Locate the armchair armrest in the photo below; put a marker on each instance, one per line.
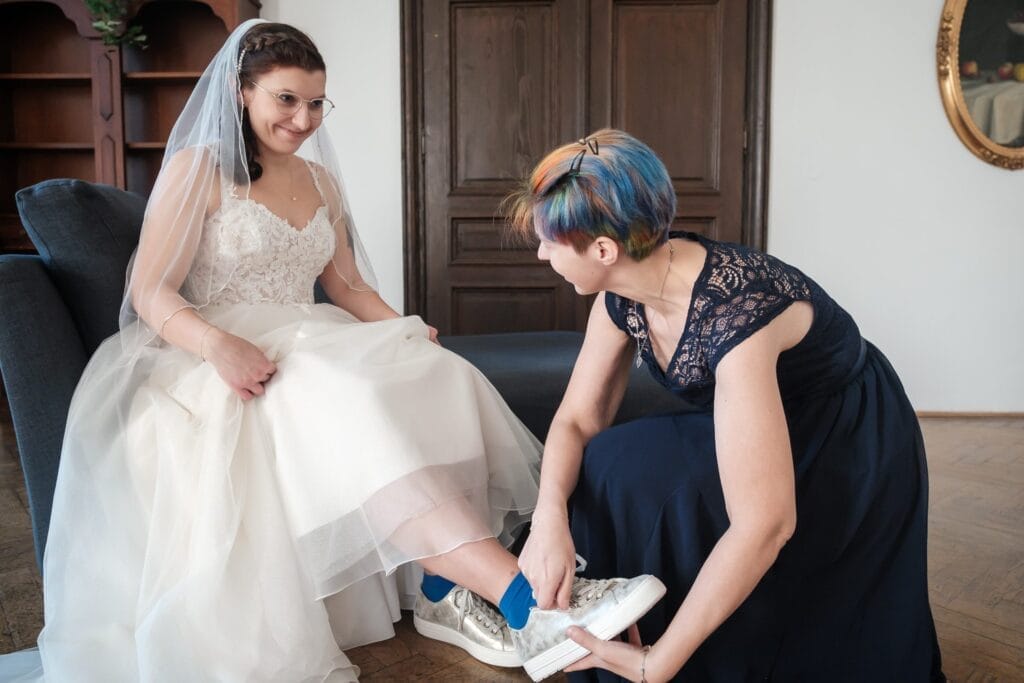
(41, 359)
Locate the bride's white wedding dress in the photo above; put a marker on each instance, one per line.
(194, 536)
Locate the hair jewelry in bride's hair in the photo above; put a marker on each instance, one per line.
(210, 160)
(264, 48)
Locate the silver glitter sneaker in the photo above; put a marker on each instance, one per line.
(465, 620)
(605, 607)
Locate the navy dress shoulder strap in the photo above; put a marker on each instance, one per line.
(746, 290)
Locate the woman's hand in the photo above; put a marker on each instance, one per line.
(628, 660)
(432, 334)
(241, 364)
(548, 560)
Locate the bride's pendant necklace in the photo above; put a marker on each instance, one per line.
(291, 183)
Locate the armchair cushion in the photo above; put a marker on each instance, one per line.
(85, 233)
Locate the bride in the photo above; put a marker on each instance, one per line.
(238, 453)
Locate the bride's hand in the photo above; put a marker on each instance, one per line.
(432, 334)
(548, 560)
(240, 363)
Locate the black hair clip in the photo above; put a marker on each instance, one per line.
(577, 161)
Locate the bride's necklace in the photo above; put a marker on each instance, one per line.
(291, 183)
(271, 186)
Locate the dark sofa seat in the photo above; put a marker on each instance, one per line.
(56, 308)
(531, 372)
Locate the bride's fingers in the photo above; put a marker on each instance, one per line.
(634, 636)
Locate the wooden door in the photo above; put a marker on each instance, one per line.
(673, 75)
(501, 84)
(491, 86)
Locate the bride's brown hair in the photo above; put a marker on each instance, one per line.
(264, 48)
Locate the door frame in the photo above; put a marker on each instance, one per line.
(755, 161)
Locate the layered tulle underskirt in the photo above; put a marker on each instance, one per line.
(195, 536)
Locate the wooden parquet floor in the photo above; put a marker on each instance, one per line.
(976, 563)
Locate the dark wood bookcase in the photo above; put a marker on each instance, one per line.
(72, 107)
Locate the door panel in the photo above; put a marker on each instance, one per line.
(673, 75)
(500, 83)
(492, 86)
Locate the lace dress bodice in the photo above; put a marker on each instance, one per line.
(248, 254)
(738, 292)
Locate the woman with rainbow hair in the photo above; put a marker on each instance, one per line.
(787, 515)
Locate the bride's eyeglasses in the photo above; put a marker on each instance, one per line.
(289, 103)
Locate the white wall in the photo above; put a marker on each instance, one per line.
(871, 193)
(360, 42)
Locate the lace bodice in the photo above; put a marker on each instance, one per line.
(248, 254)
(738, 292)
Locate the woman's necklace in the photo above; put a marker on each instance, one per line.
(638, 331)
(668, 269)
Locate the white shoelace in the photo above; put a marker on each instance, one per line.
(585, 591)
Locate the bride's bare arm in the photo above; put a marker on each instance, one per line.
(184, 195)
(170, 235)
(341, 278)
(357, 298)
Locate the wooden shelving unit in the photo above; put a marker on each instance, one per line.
(190, 76)
(70, 76)
(45, 105)
(71, 107)
(182, 37)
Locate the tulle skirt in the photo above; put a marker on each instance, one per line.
(195, 536)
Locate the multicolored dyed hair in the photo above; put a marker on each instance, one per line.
(608, 184)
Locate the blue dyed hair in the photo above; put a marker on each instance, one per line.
(608, 184)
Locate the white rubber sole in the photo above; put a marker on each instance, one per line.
(433, 631)
(639, 602)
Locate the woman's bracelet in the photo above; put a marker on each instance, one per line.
(171, 315)
(643, 664)
(202, 341)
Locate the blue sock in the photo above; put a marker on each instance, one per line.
(435, 587)
(516, 602)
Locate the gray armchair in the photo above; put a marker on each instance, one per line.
(56, 308)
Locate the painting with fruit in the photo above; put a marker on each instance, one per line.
(991, 67)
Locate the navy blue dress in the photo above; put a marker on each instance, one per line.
(847, 598)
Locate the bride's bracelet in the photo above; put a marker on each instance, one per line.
(202, 341)
(171, 315)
